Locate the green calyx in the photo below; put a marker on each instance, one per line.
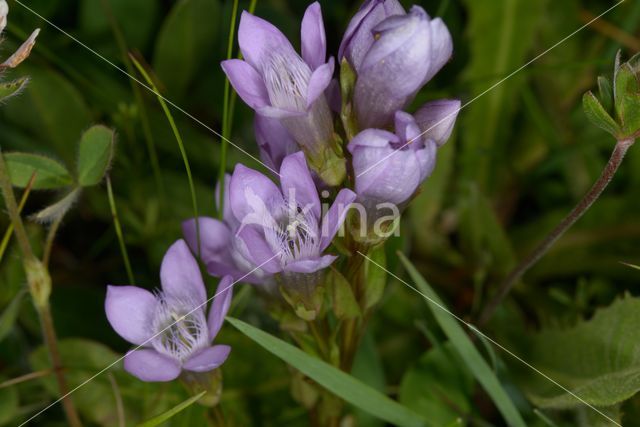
(616, 109)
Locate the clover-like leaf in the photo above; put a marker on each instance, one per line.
(597, 114)
(50, 174)
(94, 155)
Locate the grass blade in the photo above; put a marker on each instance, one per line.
(474, 361)
(338, 382)
(116, 224)
(178, 137)
(165, 416)
(23, 201)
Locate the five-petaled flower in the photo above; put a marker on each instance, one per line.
(170, 328)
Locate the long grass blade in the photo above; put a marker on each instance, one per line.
(116, 224)
(162, 418)
(178, 137)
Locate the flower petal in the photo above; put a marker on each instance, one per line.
(207, 359)
(180, 274)
(149, 365)
(274, 140)
(314, 40)
(307, 266)
(259, 251)
(247, 186)
(215, 240)
(247, 82)
(297, 183)
(130, 311)
(319, 82)
(220, 306)
(437, 118)
(258, 39)
(334, 218)
(441, 47)
(407, 129)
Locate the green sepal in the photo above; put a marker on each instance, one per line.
(9, 89)
(605, 90)
(345, 305)
(348, 79)
(598, 116)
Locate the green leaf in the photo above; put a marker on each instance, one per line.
(9, 408)
(188, 35)
(94, 155)
(9, 89)
(605, 371)
(375, 277)
(626, 95)
(10, 314)
(437, 384)
(50, 173)
(156, 421)
(501, 33)
(334, 380)
(344, 302)
(461, 342)
(605, 90)
(597, 115)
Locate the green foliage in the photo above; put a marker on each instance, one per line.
(9, 89)
(166, 416)
(345, 305)
(598, 360)
(188, 35)
(94, 155)
(9, 406)
(10, 314)
(467, 352)
(334, 380)
(50, 174)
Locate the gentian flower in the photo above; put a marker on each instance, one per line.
(4, 11)
(406, 52)
(274, 140)
(283, 228)
(277, 82)
(389, 167)
(170, 327)
(221, 250)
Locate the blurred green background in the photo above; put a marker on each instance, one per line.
(522, 156)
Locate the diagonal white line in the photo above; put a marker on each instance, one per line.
(455, 113)
(500, 346)
(204, 304)
(168, 101)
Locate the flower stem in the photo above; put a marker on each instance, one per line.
(589, 199)
(39, 287)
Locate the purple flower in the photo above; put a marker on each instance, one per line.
(4, 11)
(277, 82)
(283, 228)
(221, 250)
(390, 167)
(274, 141)
(170, 326)
(437, 118)
(406, 52)
(359, 36)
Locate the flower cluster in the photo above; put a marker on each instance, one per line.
(347, 140)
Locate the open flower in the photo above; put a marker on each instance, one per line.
(282, 228)
(170, 327)
(277, 82)
(410, 45)
(221, 250)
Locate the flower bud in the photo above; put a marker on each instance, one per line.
(617, 108)
(436, 119)
(412, 46)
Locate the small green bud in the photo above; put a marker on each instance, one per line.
(39, 281)
(617, 110)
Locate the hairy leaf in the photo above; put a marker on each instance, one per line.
(94, 155)
(50, 173)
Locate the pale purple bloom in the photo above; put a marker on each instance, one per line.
(4, 11)
(170, 326)
(277, 82)
(221, 250)
(390, 167)
(406, 52)
(283, 229)
(437, 118)
(274, 140)
(359, 36)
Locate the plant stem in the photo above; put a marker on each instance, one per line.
(226, 113)
(589, 199)
(42, 304)
(48, 246)
(27, 377)
(116, 224)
